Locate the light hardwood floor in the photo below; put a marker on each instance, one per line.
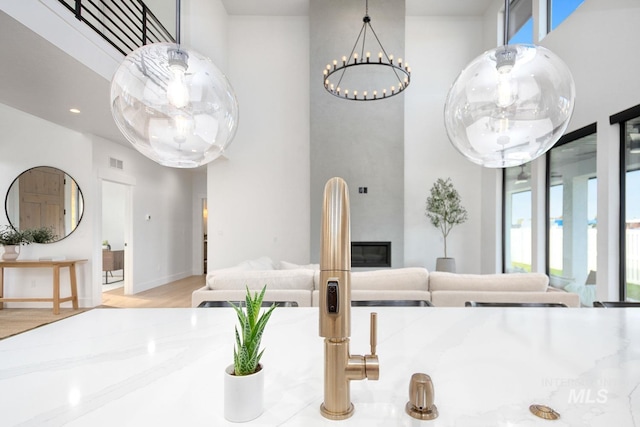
(172, 295)
(175, 294)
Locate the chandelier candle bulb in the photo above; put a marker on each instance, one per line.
(375, 94)
(368, 56)
(399, 62)
(380, 57)
(344, 60)
(390, 59)
(393, 89)
(335, 64)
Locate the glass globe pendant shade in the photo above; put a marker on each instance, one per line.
(174, 105)
(509, 105)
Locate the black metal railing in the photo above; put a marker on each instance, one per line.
(125, 24)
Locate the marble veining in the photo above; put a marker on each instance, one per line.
(133, 367)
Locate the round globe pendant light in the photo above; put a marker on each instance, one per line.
(510, 104)
(173, 104)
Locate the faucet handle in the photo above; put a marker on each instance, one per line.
(374, 332)
(371, 362)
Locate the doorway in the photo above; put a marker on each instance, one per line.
(115, 228)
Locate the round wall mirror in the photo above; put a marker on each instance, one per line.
(45, 197)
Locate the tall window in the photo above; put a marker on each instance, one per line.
(631, 237)
(572, 223)
(520, 22)
(517, 219)
(559, 10)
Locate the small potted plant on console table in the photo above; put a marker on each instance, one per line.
(244, 379)
(11, 239)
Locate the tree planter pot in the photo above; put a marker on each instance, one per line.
(11, 252)
(446, 264)
(243, 395)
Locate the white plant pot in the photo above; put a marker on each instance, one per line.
(243, 395)
(446, 264)
(11, 252)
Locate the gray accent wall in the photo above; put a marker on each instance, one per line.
(362, 142)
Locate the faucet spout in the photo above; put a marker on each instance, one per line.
(340, 368)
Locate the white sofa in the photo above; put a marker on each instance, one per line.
(301, 284)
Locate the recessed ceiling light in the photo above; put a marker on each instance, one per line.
(74, 110)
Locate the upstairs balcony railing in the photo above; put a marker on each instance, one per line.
(125, 24)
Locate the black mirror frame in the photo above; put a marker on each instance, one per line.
(6, 200)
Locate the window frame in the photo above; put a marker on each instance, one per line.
(620, 119)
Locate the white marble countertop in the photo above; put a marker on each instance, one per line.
(164, 367)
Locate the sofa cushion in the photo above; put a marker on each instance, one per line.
(284, 265)
(262, 263)
(458, 298)
(408, 279)
(522, 282)
(274, 279)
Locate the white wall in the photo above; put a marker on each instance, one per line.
(258, 197)
(161, 246)
(204, 29)
(437, 49)
(26, 142)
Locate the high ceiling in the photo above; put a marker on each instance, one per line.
(42, 80)
(301, 7)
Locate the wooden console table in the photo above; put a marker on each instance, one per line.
(56, 266)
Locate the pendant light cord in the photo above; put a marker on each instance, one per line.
(506, 22)
(178, 22)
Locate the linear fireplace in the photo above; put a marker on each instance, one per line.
(370, 254)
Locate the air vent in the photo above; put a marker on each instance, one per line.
(115, 163)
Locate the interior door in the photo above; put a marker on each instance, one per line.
(42, 199)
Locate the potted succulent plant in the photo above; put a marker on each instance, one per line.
(11, 239)
(244, 379)
(445, 211)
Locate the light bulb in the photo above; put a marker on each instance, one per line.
(183, 127)
(177, 90)
(506, 89)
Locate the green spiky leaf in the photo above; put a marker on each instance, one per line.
(246, 353)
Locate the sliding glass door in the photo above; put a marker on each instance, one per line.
(572, 217)
(631, 234)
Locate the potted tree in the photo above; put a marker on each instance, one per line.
(11, 239)
(244, 379)
(445, 211)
